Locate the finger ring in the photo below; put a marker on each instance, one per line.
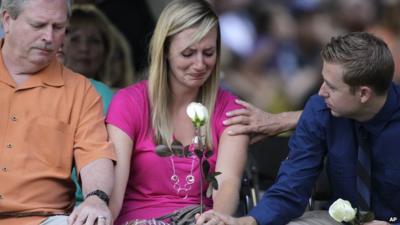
(101, 217)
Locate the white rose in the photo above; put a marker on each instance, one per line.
(341, 211)
(198, 114)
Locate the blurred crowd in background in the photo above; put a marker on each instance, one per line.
(270, 47)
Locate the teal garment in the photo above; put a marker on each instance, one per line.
(78, 191)
(106, 95)
(105, 92)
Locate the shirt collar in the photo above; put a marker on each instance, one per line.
(385, 115)
(51, 75)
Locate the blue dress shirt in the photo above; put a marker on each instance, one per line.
(319, 135)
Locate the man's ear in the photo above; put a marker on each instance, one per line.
(365, 93)
(5, 16)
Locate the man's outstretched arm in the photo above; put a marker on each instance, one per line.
(258, 123)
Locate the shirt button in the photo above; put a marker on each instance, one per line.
(13, 118)
(9, 146)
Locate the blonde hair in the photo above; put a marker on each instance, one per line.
(178, 16)
(113, 40)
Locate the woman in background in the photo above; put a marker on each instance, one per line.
(91, 45)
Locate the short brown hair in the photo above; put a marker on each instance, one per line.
(366, 59)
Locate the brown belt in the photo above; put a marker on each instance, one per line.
(67, 211)
(27, 214)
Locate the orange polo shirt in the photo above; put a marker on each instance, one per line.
(49, 122)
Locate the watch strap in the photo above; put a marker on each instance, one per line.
(100, 194)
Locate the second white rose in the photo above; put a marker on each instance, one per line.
(342, 211)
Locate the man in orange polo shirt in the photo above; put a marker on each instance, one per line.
(50, 119)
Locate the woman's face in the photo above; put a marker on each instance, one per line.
(191, 65)
(84, 50)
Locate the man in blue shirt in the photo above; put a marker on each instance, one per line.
(357, 92)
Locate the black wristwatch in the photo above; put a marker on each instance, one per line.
(100, 194)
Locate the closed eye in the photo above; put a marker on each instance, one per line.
(209, 53)
(38, 25)
(187, 53)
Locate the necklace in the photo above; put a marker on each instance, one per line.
(182, 190)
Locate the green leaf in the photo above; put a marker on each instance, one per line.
(177, 148)
(214, 174)
(176, 142)
(163, 151)
(186, 152)
(199, 153)
(214, 183)
(209, 153)
(206, 168)
(178, 151)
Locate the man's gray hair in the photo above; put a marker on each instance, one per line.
(15, 7)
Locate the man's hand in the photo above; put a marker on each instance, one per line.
(377, 222)
(214, 218)
(91, 212)
(258, 123)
